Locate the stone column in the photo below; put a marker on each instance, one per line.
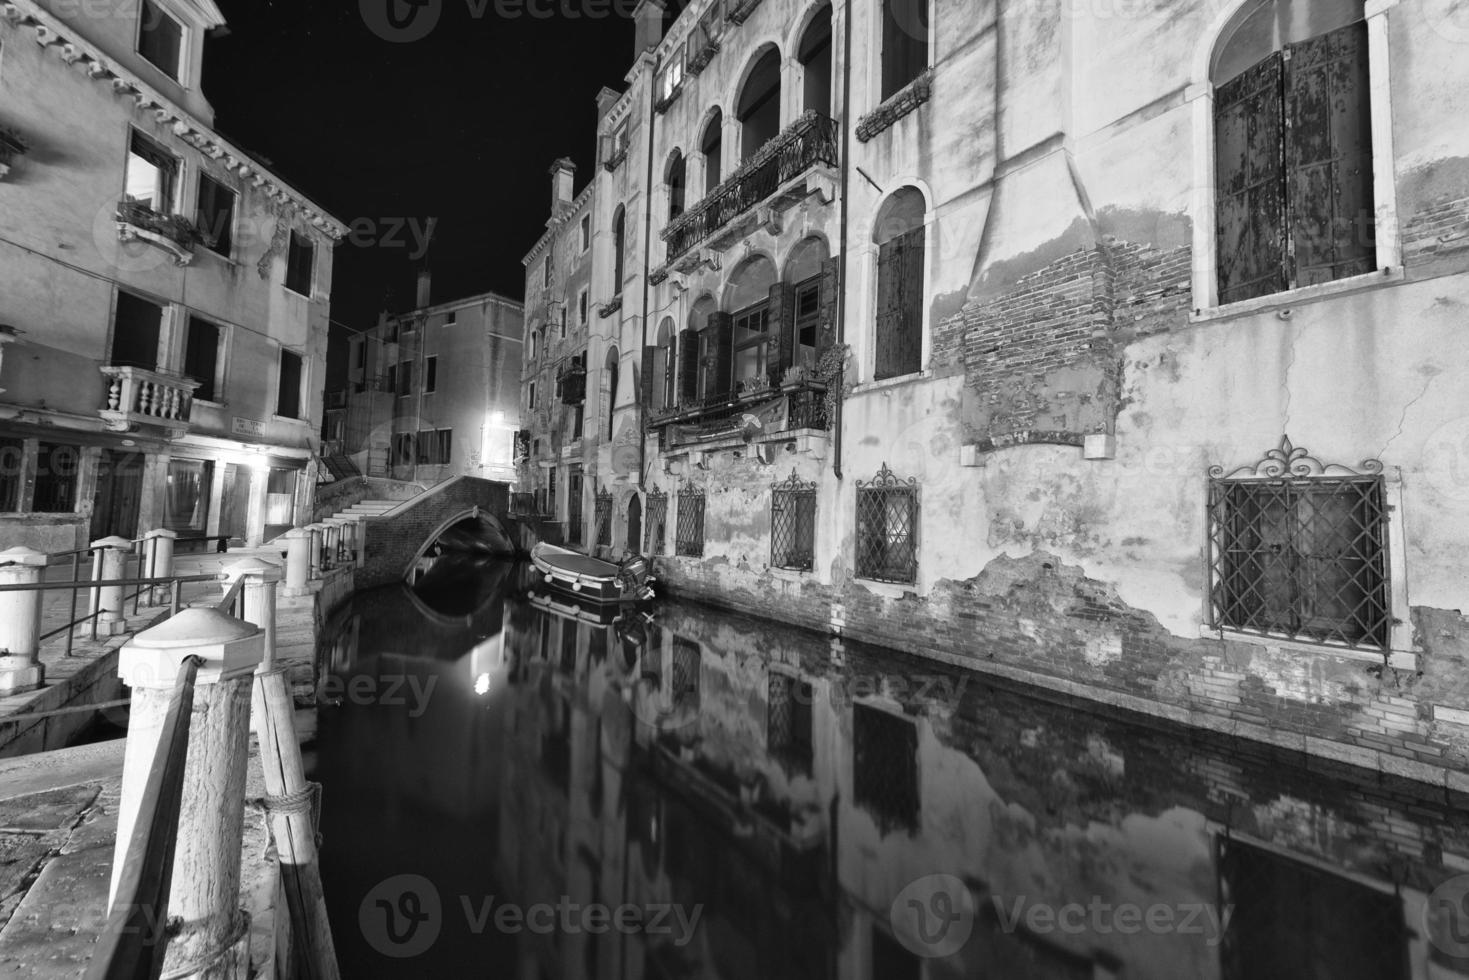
(260, 578)
(212, 941)
(114, 553)
(298, 561)
(20, 622)
(159, 549)
(317, 532)
(338, 537)
(359, 539)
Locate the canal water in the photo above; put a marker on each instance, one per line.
(513, 791)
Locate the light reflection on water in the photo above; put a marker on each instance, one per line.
(514, 792)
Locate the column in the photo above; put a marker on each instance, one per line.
(212, 941)
(20, 622)
(317, 532)
(261, 578)
(158, 548)
(114, 553)
(298, 561)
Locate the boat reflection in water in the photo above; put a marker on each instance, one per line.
(760, 802)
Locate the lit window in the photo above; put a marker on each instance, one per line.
(152, 175)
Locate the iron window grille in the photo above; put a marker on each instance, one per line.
(793, 524)
(603, 517)
(887, 528)
(885, 767)
(690, 537)
(1298, 549)
(657, 517)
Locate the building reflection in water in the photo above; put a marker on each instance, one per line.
(839, 812)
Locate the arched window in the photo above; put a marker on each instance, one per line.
(899, 236)
(904, 43)
(619, 240)
(674, 177)
(658, 367)
(748, 298)
(759, 105)
(711, 145)
(803, 271)
(693, 350)
(1294, 204)
(609, 388)
(815, 57)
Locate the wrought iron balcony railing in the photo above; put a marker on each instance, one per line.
(771, 411)
(809, 141)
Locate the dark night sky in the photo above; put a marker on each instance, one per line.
(461, 125)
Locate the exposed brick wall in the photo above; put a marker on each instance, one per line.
(1045, 621)
(1436, 232)
(391, 542)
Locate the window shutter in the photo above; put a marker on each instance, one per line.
(688, 368)
(670, 365)
(720, 364)
(1328, 157)
(826, 331)
(910, 340)
(889, 307)
(650, 370)
(781, 347)
(1250, 182)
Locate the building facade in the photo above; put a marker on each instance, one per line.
(1111, 350)
(166, 298)
(556, 443)
(433, 393)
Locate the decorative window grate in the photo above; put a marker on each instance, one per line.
(887, 528)
(1298, 549)
(603, 517)
(788, 722)
(690, 537)
(793, 524)
(885, 767)
(657, 521)
(684, 675)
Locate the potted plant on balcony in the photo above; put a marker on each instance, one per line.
(174, 233)
(12, 145)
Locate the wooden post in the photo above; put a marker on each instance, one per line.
(111, 619)
(212, 942)
(160, 545)
(20, 622)
(298, 561)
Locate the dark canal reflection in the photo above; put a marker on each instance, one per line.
(513, 792)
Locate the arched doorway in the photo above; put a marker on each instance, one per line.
(635, 525)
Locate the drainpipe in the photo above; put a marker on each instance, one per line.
(836, 422)
(647, 268)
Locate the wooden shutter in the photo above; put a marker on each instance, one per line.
(1328, 157)
(1250, 182)
(719, 359)
(889, 307)
(670, 363)
(826, 331)
(688, 368)
(781, 324)
(910, 337)
(650, 370)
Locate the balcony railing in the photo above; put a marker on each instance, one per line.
(809, 141)
(752, 414)
(174, 234)
(138, 397)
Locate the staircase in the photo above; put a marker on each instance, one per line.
(368, 508)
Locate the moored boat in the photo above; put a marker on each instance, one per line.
(591, 579)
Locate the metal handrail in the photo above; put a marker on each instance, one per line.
(233, 603)
(137, 931)
(76, 585)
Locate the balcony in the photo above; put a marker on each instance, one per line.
(12, 145)
(775, 167)
(174, 234)
(137, 398)
(758, 413)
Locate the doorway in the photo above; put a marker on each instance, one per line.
(234, 519)
(119, 491)
(635, 525)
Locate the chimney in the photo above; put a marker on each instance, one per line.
(563, 184)
(648, 20)
(425, 284)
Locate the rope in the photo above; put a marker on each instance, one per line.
(291, 804)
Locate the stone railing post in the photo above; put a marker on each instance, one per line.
(338, 535)
(158, 547)
(113, 566)
(298, 561)
(212, 941)
(317, 532)
(261, 578)
(359, 539)
(20, 621)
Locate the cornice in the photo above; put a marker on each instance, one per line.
(82, 55)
